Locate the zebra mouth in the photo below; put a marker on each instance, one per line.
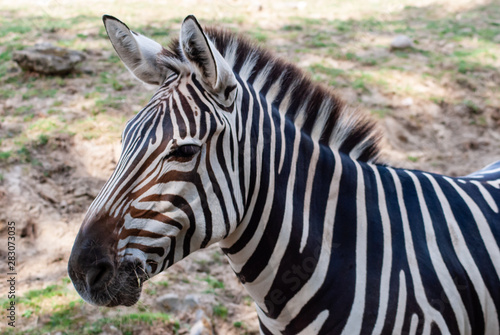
(122, 286)
(126, 287)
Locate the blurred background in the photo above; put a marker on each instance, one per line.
(429, 73)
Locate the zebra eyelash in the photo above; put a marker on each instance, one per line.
(184, 152)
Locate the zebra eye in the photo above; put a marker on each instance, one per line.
(186, 151)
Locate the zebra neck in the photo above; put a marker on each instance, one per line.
(291, 182)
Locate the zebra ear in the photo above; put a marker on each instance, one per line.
(138, 53)
(208, 61)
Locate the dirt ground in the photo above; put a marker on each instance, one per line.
(438, 106)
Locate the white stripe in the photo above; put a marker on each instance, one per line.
(315, 326)
(413, 324)
(283, 108)
(345, 124)
(324, 112)
(353, 324)
(401, 309)
(494, 183)
(301, 115)
(247, 68)
(261, 79)
(230, 54)
(308, 197)
(486, 195)
(360, 147)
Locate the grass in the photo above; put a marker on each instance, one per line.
(213, 282)
(43, 139)
(258, 35)
(163, 283)
(61, 312)
(4, 155)
(381, 113)
(220, 311)
(40, 93)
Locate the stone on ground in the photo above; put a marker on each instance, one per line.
(48, 59)
(401, 42)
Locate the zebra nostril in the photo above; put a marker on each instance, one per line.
(100, 275)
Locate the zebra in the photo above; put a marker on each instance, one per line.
(240, 148)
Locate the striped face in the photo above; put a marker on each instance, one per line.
(164, 199)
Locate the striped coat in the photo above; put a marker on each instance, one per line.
(241, 148)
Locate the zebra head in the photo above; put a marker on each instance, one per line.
(164, 199)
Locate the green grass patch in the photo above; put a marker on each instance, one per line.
(320, 39)
(109, 79)
(29, 117)
(163, 283)
(220, 311)
(381, 113)
(157, 31)
(14, 26)
(292, 27)
(63, 317)
(40, 93)
(127, 323)
(6, 93)
(24, 154)
(150, 291)
(472, 106)
(258, 34)
(45, 125)
(4, 155)
(110, 101)
(332, 75)
(459, 29)
(21, 110)
(47, 292)
(42, 139)
(213, 282)
(329, 71)
(360, 83)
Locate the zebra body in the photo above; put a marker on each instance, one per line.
(239, 148)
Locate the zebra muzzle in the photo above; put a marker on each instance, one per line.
(100, 278)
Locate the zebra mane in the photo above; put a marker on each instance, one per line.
(313, 107)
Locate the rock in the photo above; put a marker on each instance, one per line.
(49, 192)
(407, 101)
(170, 301)
(110, 330)
(48, 59)
(191, 301)
(202, 325)
(401, 42)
